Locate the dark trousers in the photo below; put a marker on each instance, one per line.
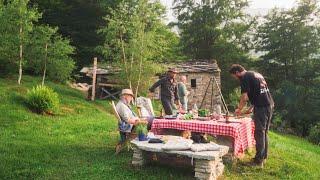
(167, 104)
(262, 119)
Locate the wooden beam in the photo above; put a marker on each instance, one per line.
(94, 76)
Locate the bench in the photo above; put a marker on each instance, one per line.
(207, 164)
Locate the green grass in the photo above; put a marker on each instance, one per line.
(78, 143)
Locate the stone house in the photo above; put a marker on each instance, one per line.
(202, 86)
(203, 83)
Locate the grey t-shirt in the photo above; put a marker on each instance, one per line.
(124, 111)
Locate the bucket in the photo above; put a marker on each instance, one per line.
(142, 137)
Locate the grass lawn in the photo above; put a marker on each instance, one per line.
(78, 143)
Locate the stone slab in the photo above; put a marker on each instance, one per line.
(157, 147)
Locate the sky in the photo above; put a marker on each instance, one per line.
(253, 5)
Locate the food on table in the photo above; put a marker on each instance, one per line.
(188, 116)
(203, 112)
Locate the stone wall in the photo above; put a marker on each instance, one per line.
(204, 91)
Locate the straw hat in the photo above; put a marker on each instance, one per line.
(127, 92)
(174, 70)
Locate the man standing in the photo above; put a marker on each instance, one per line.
(168, 91)
(254, 88)
(183, 93)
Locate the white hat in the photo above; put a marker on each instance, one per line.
(127, 91)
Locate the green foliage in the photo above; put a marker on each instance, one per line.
(203, 112)
(188, 116)
(234, 99)
(141, 129)
(295, 103)
(207, 26)
(77, 20)
(136, 38)
(314, 135)
(16, 14)
(216, 30)
(58, 62)
(42, 99)
(290, 40)
(277, 120)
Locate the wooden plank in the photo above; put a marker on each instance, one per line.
(94, 77)
(109, 94)
(109, 85)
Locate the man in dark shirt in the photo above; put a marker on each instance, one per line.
(255, 89)
(168, 90)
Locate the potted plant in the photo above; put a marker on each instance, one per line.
(142, 131)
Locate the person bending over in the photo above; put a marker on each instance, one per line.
(255, 89)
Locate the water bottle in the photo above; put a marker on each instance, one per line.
(195, 111)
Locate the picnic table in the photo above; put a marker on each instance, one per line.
(241, 130)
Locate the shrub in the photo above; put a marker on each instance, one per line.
(314, 135)
(42, 99)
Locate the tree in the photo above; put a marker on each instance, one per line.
(20, 34)
(289, 38)
(77, 20)
(205, 24)
(290, 41)
(17, 22)
(217, 29)
(49, 53)
(136, 38)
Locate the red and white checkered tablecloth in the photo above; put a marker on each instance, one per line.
(241, 130)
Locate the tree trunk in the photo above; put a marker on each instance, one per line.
(131, 67)
(140, 63)
(20, 61)
(45, 64)
(125, 60)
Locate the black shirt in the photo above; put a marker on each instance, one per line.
(257, 89)
(168, 88)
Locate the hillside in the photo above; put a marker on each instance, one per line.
(78, 143)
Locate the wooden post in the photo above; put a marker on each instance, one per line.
(45, 64)
(20, 55)
(94, 77)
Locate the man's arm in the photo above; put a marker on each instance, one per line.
(155, 85)
(243, 101)
(176, 96)
(125, 115)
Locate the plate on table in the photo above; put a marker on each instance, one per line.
(203, 118)
(170, 117)
(230, 121)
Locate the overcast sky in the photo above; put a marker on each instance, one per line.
(254, 4)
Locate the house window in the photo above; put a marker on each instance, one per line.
(193, 83)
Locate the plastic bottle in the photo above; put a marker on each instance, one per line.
(195, 111)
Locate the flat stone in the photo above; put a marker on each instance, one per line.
(219, 169)
(204, 163)
(138, 156)
(204, 176)
(203, 170)
(138, 163)
(157, 147)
